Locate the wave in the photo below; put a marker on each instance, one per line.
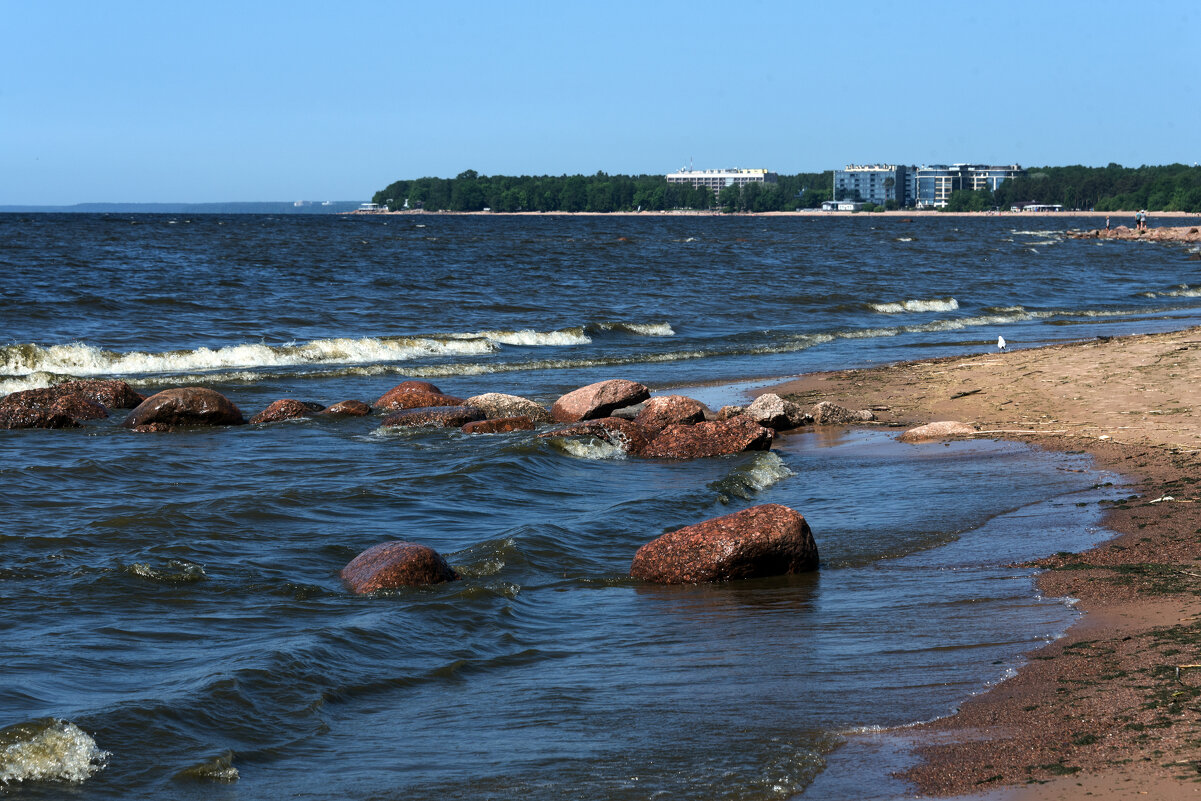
(531, 338)
(903, 306)
(763, 471)
(641, 329)
(1182, 291)
(49, 749)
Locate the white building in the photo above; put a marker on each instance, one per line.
(718, 180)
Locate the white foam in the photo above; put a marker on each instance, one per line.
(652, 329)
(903, 306)
(48, 750)
(590, 448)
(529, 337)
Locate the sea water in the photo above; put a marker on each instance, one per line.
(173, 621)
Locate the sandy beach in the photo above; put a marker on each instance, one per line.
(1113, 709)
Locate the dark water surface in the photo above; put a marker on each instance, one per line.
(173, 599)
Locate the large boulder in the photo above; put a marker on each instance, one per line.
(662, 411)
(496, 405)
(78, 407)
(767, 540)
(396, 564)
(433, 417)
(712, 438)
(598, 400)
(286, 409)
(943, 429)
(499, 425)
(415, 395)
(625, 434)
(16, 416)
(351, 408)
(183, 406)
(110, 393)
(831, 414)
(772, 411)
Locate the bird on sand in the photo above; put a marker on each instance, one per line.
(1000, 343)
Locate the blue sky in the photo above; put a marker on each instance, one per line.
(222, 101)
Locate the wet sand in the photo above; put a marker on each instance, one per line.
(1113, 709)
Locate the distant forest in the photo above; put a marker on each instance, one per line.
(1174, 187)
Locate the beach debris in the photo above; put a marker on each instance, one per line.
(766, 540)
(711, 438)
(959, 395)
(498, 405)
(286, 409)
(352, 408)
(396, 564)
(662, 411)
(831, 414)
(624, 434)
(433, 417)
(598, 400)
(499, 425)
(415, 395)
(1162, 498)
(772, 411)
(1000, 343)
(943, 429)
(183, 406)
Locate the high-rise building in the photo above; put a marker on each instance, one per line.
(934, 184)
(718, 180)
(871, 183)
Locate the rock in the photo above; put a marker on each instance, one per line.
(944, 429)
(109, 393)
(353, 408)
(78, 407)
(598, 400)
(664, 410)
(433, 417)
(713, 438)
(499, 425)
(772, 411)
(831, 414)
(415, 395)
(183, 406)
(767, 540)
(625, 434)
(285, 409)
(728, 412)
(497, 405)
(396, 564)
(16, 416)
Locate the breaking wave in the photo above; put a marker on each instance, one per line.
(48, 750)
(903, 306)
(747, 480)
(1182, 291)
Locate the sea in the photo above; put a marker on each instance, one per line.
(173, 621)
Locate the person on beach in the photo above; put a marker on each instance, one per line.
(1107, 223)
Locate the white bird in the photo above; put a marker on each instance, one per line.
(1000, 343)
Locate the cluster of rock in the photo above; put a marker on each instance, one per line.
(1165, 234)
(762, 541)
(65, 405)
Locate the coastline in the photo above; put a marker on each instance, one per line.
(1104, 709)
(904, 214)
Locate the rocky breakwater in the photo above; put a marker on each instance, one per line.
(64, 405)
(183, 407)
(390, 565)
(767, 540)
(1185, 233)
(598, 400)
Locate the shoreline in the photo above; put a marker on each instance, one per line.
(1101, 710)
(910, 214)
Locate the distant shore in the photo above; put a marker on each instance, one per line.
(1114, 707)
(1118, 216)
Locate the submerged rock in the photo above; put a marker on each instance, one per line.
(396, 564)
(285, 409)
(14, 417)
(183, 406)
(767, 540)
(943, 429)
(625, 434)
(598, 400)
(433, 417)
(353, 408)
(831, 414)
(415, 395)
(497, 405)
(499, 425)
(712, 438)
(772, 411)
(109, 393)
(664, 410)
(78, 407)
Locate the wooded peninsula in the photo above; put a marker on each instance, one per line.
(1174, 187)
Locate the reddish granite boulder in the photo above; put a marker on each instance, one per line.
(415, 395)
(396, 564)
(78, 407)
(17, 416)
(713, 438)
(831, 414)
(433, 417)
(499, 425)
(496, 405)
(772, 411)
(665, 410)
(943, 429)
(285, 409)
(183, 406)
(598, 400)
(767, 540)
(110, 393)
(625, 434)
(353, 408)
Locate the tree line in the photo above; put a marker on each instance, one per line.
(1174, 187)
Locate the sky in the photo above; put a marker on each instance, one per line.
(253, 101)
